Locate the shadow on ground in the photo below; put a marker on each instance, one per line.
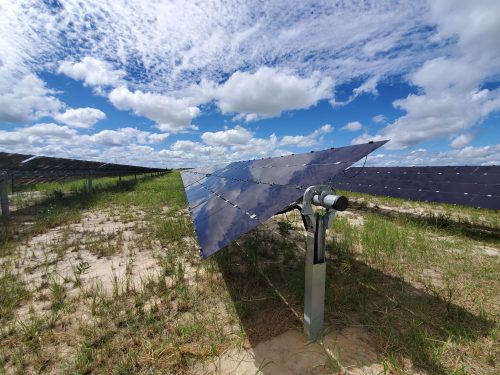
(403, 321)
(57, 208)
(453, 226)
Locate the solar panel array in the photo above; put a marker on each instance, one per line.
(468, 186)
(32, 168)
(228, 202)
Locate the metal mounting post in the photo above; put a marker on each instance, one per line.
(4, 197)
(315, 268)
(89, 183)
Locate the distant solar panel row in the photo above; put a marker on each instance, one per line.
(226, 203)
(31, 167)
(468, 186)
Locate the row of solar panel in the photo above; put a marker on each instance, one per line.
(31, 165)
(20, 162)
(228, 202)
(469, 186)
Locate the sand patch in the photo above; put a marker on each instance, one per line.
(348, 351)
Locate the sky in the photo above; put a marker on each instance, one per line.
(194, 83)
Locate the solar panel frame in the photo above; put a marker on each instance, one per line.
(257, 189)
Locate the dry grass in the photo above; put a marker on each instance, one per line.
(112, 282)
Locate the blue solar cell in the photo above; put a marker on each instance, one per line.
(229, 201)
(477, 186)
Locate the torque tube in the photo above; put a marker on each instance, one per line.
(337, 202)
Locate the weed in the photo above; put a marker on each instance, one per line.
(172, 229)
(58, 294)
(284, 227)
(12, 291)
(78, 270)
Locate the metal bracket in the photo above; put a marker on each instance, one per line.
(315, 267)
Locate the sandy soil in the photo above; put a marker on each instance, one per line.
(64, 252)
(292, 353)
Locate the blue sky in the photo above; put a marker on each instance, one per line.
(188, 84)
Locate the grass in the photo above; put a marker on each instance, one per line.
(420, 287)
(13, 292)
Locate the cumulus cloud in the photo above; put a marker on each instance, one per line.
(29, 99)
(268, 92)
(235, 136)
(352, 126)
(462, 140)
(126, 136)
(309, 140)
(170, 114)
(48, 130)
(92, 71)
(80, 117)
(31, 138)
(452, 99)
(24, 139)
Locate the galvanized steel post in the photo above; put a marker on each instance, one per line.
(315, 267)
(4, 198)
(90, 188)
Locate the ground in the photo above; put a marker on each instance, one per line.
(111, 282)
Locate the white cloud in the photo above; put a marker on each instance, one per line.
(123, 145)
(486, 155)
(268, 92)
(23, 139)
(27, 100)
(10, 139)
(369, 86)
(237, 135)
(170, 114)
(462, 140)
(126, 136)
(80, 117)
(309, 140)
(365, 137)
(48, 130)
(174, 44)
(257, 148)
(352, 126)
(452, 99)
(92, 71)
(378, 119)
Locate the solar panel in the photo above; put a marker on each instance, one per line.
(28, 169)
(228, 202)
(8, 161)
(476, 186)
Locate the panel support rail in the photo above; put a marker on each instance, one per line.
(315, 268)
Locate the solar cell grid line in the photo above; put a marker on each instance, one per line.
(257, 189)
(215, 234)
(279, 175)
(476, 186)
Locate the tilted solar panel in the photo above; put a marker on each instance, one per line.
(228, 202)
(477, 186)
(10, 161)
(28, 167)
